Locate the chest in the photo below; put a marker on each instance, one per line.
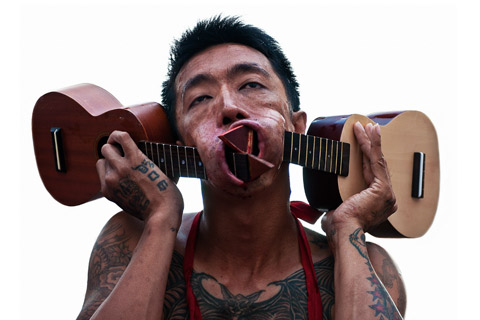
(282, 299)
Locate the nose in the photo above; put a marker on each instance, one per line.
(230, 110)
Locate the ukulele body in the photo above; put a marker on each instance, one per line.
(403, 135)
(86, 115)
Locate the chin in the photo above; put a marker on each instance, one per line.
(270, 182)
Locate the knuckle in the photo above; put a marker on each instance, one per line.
(381, 162)
(110, 181)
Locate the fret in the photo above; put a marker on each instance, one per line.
(335, 158)
(194, 163)
(326, 167)
(346, 159)
(190, 156)
(171, 160)
(160, 158)
(341, 160)
(330, 155)
(323, 157)
(307, 151)
(316, 152)
(299, 147)
(176, 161)
(310, 152)
(302, 154)
(182, 172)
(145, 149)
(288, 145)
(152, 157)
(320, 153)
(186, 161)
(295, 155)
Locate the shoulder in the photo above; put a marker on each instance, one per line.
(318, 245)
(389, 273)
(109, 258)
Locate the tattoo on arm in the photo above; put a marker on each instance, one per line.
(383, 304)
(109, 259)
(391, 278)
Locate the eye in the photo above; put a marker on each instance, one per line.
(252, 85)
(199, 100)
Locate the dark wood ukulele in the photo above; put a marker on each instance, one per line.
(69, 127)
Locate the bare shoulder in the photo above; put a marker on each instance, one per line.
(389, 273)
(318, 245)
(110, 256)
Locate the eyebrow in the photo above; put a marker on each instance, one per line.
(196, 80)
(237, 69)
(247, 68)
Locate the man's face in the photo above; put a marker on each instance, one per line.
(226, 86)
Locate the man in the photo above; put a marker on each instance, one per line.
(245, 256)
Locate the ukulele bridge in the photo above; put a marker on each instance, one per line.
(418, 175)
(58, 154)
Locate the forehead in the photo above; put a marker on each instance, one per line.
(217, 60)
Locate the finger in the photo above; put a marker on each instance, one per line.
(110, 151)
(365, 146)
(100, 165)
(377, 161)
(125, 141)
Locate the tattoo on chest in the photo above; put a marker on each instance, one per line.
(289, 300)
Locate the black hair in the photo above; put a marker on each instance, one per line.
(220, 30)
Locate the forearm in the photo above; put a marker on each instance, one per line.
(140, 291)
(359, 293)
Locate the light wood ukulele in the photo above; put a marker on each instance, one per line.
(69, 127)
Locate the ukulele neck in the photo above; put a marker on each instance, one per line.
(316, 153)
(305, 150)
(174, 160)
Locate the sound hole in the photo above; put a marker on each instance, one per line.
(101, 142)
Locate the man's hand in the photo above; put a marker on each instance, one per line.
(135, 183)
(377, 202)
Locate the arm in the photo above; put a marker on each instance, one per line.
(389, 274)
(359, 292)
(133, 288)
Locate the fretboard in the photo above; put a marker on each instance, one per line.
(317, 153)
(173, 160)
(307, 151)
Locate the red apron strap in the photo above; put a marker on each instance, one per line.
(192, 302)
(314, 299)
(315, 310)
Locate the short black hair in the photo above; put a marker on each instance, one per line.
(220, 30)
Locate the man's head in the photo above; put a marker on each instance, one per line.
(217, 31)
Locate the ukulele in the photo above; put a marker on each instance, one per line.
(70, 126)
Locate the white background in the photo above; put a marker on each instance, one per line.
(349, 57)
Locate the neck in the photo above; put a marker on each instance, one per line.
(248, 234)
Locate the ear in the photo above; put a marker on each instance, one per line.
(299, 119)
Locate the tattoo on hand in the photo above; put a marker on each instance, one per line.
(130, 196)
(383, 304)
(144, 166)
(153, 175)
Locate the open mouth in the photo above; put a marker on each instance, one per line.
(241, 153)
